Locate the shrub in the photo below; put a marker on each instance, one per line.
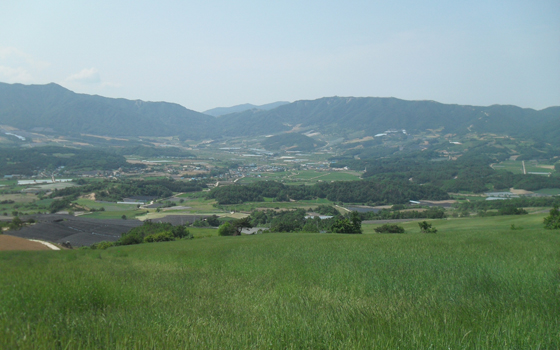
(552, 221)
(181, 232)
(226, 229)
(138, 234)
(102, 245)
(131, 238)
(200, 223)
(510, 210)
(326, 210)
(426, 227)
(159, 237)
(389, 228)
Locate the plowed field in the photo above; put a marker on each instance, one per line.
(17, 243)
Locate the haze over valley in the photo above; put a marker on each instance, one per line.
(280, 175)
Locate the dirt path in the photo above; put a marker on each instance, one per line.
(392, 221)
(17, 243)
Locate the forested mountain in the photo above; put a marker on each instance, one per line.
(52, 106)
(65, 112)
(219, 111)
(371, 115)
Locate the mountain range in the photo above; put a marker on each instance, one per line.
(219, 111)
(51, 106)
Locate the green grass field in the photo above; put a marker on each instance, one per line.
(551, 191)
(516, 167)
(476, 284)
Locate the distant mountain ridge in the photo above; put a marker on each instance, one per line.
(219, 111)
(372, 115)
(52, 106)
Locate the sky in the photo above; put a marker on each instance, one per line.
(216, 53)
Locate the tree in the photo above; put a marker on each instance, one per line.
(356, 222)
(311, 226)
(352, 225)
(240, 224)
(426, 227)
(342, 225)
(16, 223)
(213, 221)
(552, 221)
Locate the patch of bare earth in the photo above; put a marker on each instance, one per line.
(90, 196)
(367, 138)
(16, 243)
(514, 191)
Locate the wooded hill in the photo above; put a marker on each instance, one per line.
(371, 116)
(52, 106)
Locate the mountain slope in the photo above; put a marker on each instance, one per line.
(52, 106)
(370, 116)
(219, 111)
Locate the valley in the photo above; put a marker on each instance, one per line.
(418, 231)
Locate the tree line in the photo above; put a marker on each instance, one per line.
(29, 161)
(375, 191)
(114, 191)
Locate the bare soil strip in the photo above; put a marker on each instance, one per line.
(50, 245)
(392, 221)
(17, 243)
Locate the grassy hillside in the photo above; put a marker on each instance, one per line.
(475, 284)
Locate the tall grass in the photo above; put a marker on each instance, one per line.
(480, 288)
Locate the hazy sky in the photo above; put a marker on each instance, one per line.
(211, 53)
